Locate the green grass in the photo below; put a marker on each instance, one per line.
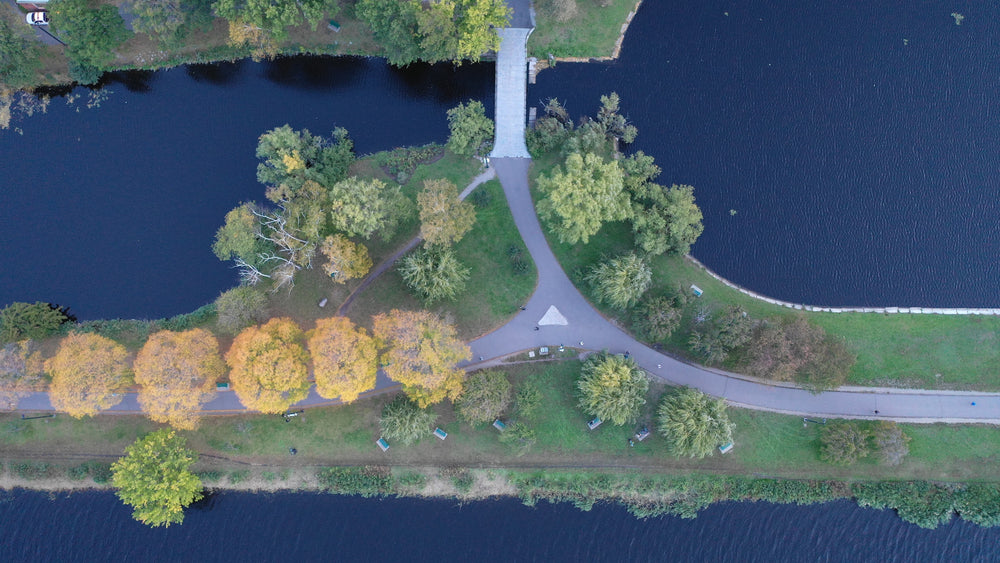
(494, 289)
(592, 32)
(767, 444)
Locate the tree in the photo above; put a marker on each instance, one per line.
(657, 318)
(621, 281)
(471, 132)
(477, 22)
(155, 478)
(89, 372)
(240, 307)
(19, 57)
(344, 359)
(612, 388)
(361, 207)
(240, 238)
(665, 220)
(345, 260)
(20, 372)
(614, 124)
(20, 321)
(444, 219)
(161, 19)
(421, 354)
(269, 372)
(579, 200)
(716, 338)
(843, 442)
(287, 156)
(434, 273)
(891, 444)
(178, 372)
(693, 423)
(91, 33)
(485, 396)
(394, 25)
(797, 350)
(275, 16)
(404, 422)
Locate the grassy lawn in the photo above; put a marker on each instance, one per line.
(915, 351)
(494, 289)
(591, 32)
(767, 444)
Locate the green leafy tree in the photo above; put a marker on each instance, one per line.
(485, 396)
(19, 57)
(580, 197)
(693, 423)
(612, 388)
(892, 445)
(20, 321)
(639, 169)
(715, 338)
(394, 25)
(471, 131)
(665, 220)
(404, 422)
(658, 317)
(287, 157)
(92, 31)
(240, 236)
(361, 207)
(844, 442)
(240, 307)
(551, 130)
(274, 17)
(434, 273)
(620, 282)
(444, 219)
(155, 478)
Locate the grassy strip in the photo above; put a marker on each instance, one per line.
(915, 351)
(590, 32)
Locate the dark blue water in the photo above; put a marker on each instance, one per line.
(305, 527)
(862, 170)
(112, 211)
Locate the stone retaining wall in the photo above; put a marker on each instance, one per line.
(883, 310)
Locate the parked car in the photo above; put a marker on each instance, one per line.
(37, 18)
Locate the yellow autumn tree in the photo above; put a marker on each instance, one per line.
(269, 372)
(178, 371)
(444, 219)
(261, 43)
(89, 372)
(344, 359)
(421, 353)
(345, 260)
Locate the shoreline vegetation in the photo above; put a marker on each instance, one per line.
(198, 32)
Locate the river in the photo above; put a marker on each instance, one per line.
(307, 527)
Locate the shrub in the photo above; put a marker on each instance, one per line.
(891, 444)
(364, 481)
(404, 422)
(486, 394)
(434, 273)
(658, 317)
(844, 442)
(240, 307)
(237, 477)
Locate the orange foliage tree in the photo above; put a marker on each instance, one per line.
(178, 371)
(422, 351)
(269, 371)
(89, 371)
(344, 359)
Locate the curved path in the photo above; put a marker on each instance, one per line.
(557, 314)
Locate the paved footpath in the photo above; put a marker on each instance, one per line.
(557, 314)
